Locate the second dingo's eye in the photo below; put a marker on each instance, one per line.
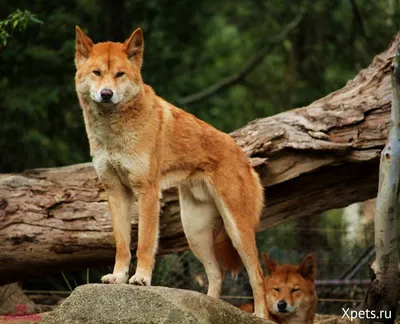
(277, 289)
(97, 72)
(295, 289)
(119, 74)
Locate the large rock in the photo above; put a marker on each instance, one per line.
(119, 304)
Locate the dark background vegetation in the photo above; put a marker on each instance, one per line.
(189, 46)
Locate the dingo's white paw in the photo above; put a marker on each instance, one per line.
(140, 279)
(115, 278)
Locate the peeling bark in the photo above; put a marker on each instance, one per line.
(311, 159)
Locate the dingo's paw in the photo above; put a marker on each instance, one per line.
(139, 279)
(115, 278)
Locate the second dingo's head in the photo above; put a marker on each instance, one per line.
(290, 289)
(108, 73)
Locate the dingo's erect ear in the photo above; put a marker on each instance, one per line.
(308, 268)
(83, 46)
(269, 264)
(133, 46)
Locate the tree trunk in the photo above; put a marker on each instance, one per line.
(384, 292)
(311, 159)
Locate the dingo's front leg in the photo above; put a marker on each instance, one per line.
(120, 200)
(148, 234)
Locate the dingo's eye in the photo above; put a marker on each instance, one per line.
(119, 74)
(97, 72)
(277, 289)
(295, 289)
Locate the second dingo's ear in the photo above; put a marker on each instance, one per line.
(269, 264)
(308, 268)
(83, 45)
(133, 46)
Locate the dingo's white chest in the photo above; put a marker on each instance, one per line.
(127, 166)
(115, 154)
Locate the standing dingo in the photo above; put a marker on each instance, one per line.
(141, 145)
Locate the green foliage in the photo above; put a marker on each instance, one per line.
(188, 47)
(15, 22)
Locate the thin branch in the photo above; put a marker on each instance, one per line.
(229, 81)
(359, 263)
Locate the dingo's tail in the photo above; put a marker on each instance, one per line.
(226, 254)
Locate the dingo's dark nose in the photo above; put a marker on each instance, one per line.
(281, 305)
(106, 94)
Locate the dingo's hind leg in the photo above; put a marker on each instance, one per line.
(240, 205)
(200, 218)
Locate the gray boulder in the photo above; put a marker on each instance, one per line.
(120, 304)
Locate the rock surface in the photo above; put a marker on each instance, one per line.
(120, 304)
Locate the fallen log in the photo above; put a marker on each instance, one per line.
(310, 160)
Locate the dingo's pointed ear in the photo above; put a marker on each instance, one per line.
(133, 46)
(308, 268)
(83, 45)
(269, 264)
